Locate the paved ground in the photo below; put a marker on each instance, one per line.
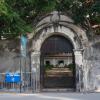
(51, 96)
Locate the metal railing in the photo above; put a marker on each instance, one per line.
(26, 84)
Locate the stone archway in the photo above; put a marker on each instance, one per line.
(66, 29)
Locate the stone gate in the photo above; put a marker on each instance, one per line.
(62, 25)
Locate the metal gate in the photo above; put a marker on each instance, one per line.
(21, 80)
(16, 82)
(57, 64)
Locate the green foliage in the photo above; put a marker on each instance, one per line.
(16, 16)
(71, 66)
(3, 8)
(48, 67)
(11, 23)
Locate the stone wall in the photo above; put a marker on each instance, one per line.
(91, 64)
(10, 61)
(10, 56)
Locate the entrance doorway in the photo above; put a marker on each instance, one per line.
(57, 70)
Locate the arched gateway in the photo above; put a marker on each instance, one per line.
(57, 59)
(57, 68)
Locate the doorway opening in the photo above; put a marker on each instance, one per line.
(57, 70)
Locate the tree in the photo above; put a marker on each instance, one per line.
(11, 22)
(84, 12)
(17, 16)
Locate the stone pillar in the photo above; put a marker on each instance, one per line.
(35, 64)
(79, 69)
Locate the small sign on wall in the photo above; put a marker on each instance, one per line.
(12, 78)
(23, 46)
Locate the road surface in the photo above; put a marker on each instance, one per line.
(51, 96)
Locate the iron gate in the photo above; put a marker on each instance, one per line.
(25, 84)
(57, 63)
